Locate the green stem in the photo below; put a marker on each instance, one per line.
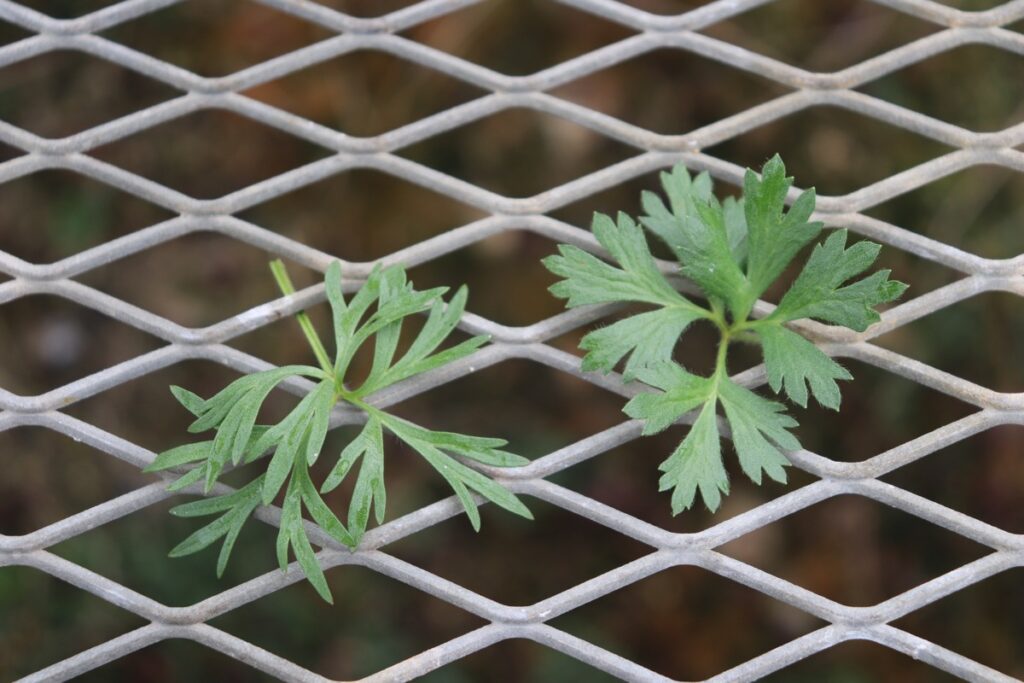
(723, 351)
(284, 283)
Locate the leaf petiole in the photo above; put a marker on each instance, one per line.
(284, 283)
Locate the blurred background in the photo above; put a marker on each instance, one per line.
(684, 623)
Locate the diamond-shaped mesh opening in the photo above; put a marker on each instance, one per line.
(133, 551)
(519, 152)
(626, 478)
(61, 93)
(666, 6)
(981, 476)
(518, 659)
(210, 153)
(332, 214)
(860, 660)
(49, 476)
(164, 422)
(10, 33)
(536, 408)
(53, 214)
(668, 104)
(832, 149)
(522, 36)
(949, 339)
(486, 267)
(925, 87)
(395, 621)
(888, 409)
(175, 660)
(674, 622)
(217, 37)
(983, 622)
(44, 620)
(821, 36)
(508, 562)
(367, 8)
(370, 93)
(975, 209)
(854, 550)
(49, 341)
(195, 280)
(66, 9)
(973, 5)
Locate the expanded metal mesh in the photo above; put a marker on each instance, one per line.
(655, 151)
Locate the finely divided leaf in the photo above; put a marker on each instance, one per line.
(237, 506)
(369, 490)
(817, 291)
(421, 356)
(793, 362)
(461, 478)
(376, 310)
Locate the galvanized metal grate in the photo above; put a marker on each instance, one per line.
(654, 151)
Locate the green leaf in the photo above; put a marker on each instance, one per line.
(420, 357)
(774, 235)
(180, 455)
(482, 449)
(682, 392)
(320, 512)
(370, 436)
(193, 476)
(190, 401)
(293, 435)
(323, 404)
(346, 316)
(291, 514)
(284, 457)
(648, 337)
(696, 230)
(237, 507)
(759, 429)
(589, 280)
(817, 291)
(307, 560)
(377, 310)
(793, 362)
(696, 464)
(460, 477)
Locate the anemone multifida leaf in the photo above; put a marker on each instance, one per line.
(733, 250)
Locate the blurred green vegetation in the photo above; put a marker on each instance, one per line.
(685, 623)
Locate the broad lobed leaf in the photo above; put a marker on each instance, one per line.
(707, 246)
(760, 430)
(774, 235)
(590, 280)
(793, 362)
(818, 293)
(376, 311)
